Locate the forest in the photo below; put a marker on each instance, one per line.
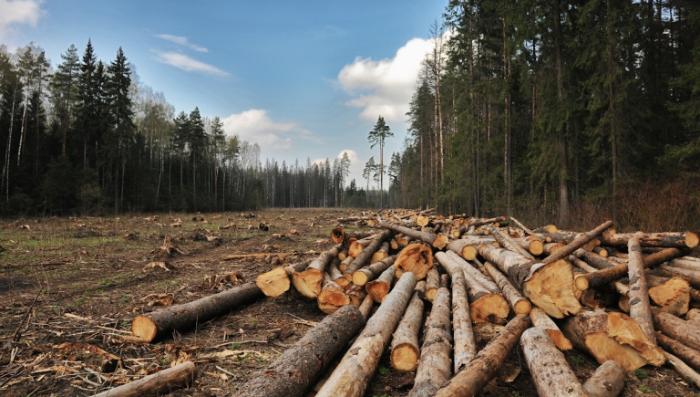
(559, 110)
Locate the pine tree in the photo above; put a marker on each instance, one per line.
(377, 136)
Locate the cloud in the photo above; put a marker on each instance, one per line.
(183, 41)
(18, 12)
(384, 87)
(254, 125)
(189, 64)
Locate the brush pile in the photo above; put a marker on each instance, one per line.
(451, 298)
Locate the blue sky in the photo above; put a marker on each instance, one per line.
(304, 79)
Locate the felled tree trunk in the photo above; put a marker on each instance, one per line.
(158, 383)
(332, 296)
(470, 381)
(350, 377)
(381, 253)
(276, 282)
(464, 343)
(416, 258)
(548, 367)
(519, 303)
(542, 320)
(608, 380)
(532, 244)
(435, 364)
(369, 273)
(432, 283)
(691, 275)
(405, 349)
(466, 247)
(683, 369)
(670, 239)
(380, 287)
(689, 355)
(309, 281)
(438, 241)
(364, 257)
(299, 366)
(686, 332)
(638, 294)
(160, 323)
(508, 243)
(581, 240)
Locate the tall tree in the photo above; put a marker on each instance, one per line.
(377, 136)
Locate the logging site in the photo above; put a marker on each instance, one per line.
(350, 198)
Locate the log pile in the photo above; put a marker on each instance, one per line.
(455, 297)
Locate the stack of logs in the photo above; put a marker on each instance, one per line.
(455, 295)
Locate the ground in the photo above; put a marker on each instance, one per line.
(69, 288)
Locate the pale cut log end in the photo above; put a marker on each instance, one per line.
(605, 348)
(672, 296)
(441, 241)
(560, 341)
(469, 252)
(404, 357)
(536, 247)
(344, 281)
(626, 331)
(378, 290)
(308, 282)
(491, 308)
(692, 240)
(581, 282)
(144, 328)
(359, 278)
(416, 258)
(608, 380)
(273, 283)
(550, 228)
(378, 256)
(523, 307)
(551, 288)
(332, 299)
(430, 294)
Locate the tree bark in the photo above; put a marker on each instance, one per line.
(542, 320)
(471, 380)
(640, 311)
(508, 243)
(438, 241)
(432, 284)
(519, 303)
(160, 323)
(683, 369)
(364, 257)
(369, 273)
(435, 365)
(548, 367)
(309, 282)
(689, 355)
(332, 296)
(464, 343)
(466, 247)
(608, 380)
(156, 384)
(686, 332)
(405, 350)
(350, 377)
(577, 243)
(669, 239)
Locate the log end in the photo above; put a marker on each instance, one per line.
(144, 328)
(581, 282)
(673, 296)
(523, 306)
(604, 348)
(491, 308)
(378, 256)
(331, 299)
(359, 278)
(273, 283)
(416, 258)
(344, 281)
(404, 357)
(536, 247)
(692, 239)
(551, 288)
(551, 228)
(308, 282)
(378, 290)
(441, 241)
(469, 252)
(627, 332)
(430, 294)
(560, 341)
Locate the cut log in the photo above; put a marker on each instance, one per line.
(550, 372)
(466, 246)
(519, 303)
(416, 258)
(337, 234)
(156, 384)
(405, 350)
(369, 273)
(381, 253)
(548, 286)
(686, 332)
(612, 336)
(356, 294)
(550, 248)
(691, 275)
(683, 369)
(464, 343)
(604, 253)
(380, 287)
(686, 262)
(542, 320)
(332, 296)
(276, 281)
(532, 244)
(345, 263)
(689, 355)
(148, 327)
(471, 380)
(508, 243)
(677, 240)
(310, 281)
(438, 241)
(519, 224)
(299, 366)
(640, 310)
(350, 377)
(432, 284)
(593, 259)
(581, 240)
(435, 364)
(672, 295)
(364, 257)
(608, 380)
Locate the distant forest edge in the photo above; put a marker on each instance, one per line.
(559, 111)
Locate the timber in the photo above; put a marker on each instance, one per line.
(464, 343)
(638, 293)
(508, 243)
(438, 241)
(156, 384)
(466, 247)
(416, 258)
(577, 243)
(519, 303)
(351, 376)
(364, 257)
(692, 276)
(276, 281)
(540, 319)
(548, 367)
(310, 281)
(676, 240)
(683, 369)
(332, 296)
(151, 326)
(381, 253)
(432, 284)
(671, 295)
(299, 366)
(435, 364)
(689, 355)
(471, 380)
(369, 273)
(405, 350)
(608, 380)
(380, 287)
(686, 332)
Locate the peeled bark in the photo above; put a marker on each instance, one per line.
(160, 323)
(438, 241)
(299, 366)
(540, 319)
(638, 294)
(405, 350)
(471, 380)
(608, 380)
(369, 273)
(364, 257)
(689, 355)
(416, 258)
(276, 282)
(464, 343)
(350, 377)
(435, 364)
(309, 282)
(519, 303)
(548, 367)
(670, 239)
(380, 287)
(159, 383)
(432, 284)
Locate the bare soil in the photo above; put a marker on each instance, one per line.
(69, 288)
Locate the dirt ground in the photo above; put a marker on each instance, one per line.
(69, 288)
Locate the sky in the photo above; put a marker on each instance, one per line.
(303, 79)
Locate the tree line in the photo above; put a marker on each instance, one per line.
(558, 110)
(86, 137)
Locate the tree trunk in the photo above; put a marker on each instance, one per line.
(432, 284)
(689, 355)
(435, 365)
(508, 243)
(310, 281)
(380, 287)
(276, 281)
(332, 296)
(438, 241)
(299, 366)
(161, 382)
(608, 380)
(686, 332)
(464, 343)
(405, 349)
(369, 273)
(692, 276)
(416, 258)
(350, 377)
(364, 257)
(471, 380)
(160, 323)
(550, 372)
(466, 247)
(542, 320)
(683, 369)
(640, 311)
(669, 239)
(577, 243)
(519, 303)
(381, 253)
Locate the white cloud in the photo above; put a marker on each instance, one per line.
(254, 125)
(183, 41)
(189, 64)
(18, 12)
(384, 87)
